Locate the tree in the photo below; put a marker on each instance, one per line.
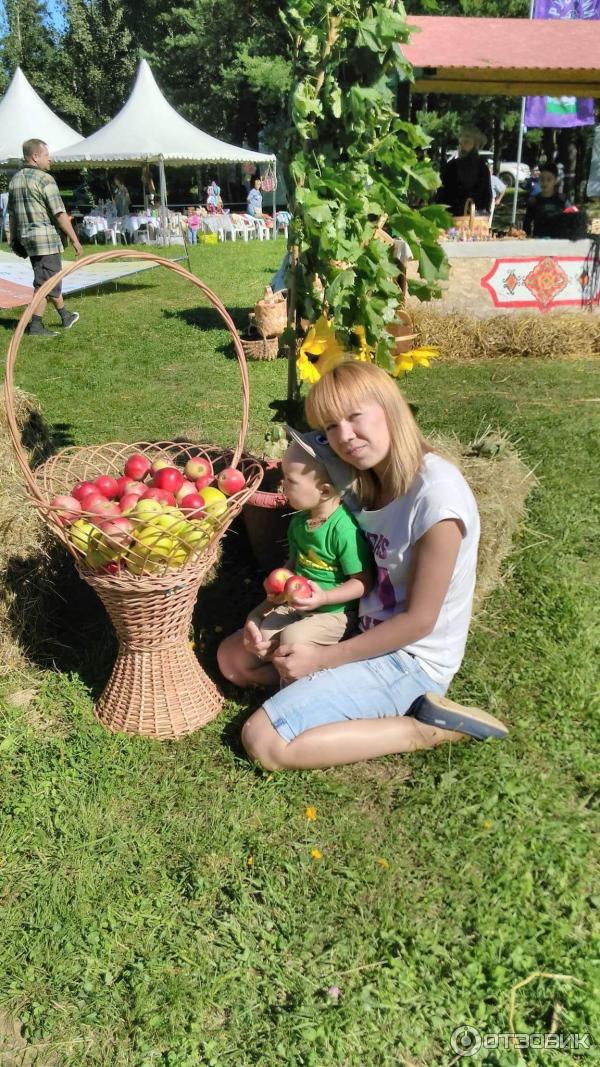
(28, 41)
(351, 161)
(98, 61)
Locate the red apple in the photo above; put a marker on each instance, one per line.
(198, 468)
(168, 478)
(83, 489)
(193, 505)
(117, 532)
(231, 481)
(137, 467)
(187, 487)
(68, 508)
(207, 479)
(108, 486)
(128, 502)
(161, 495)
(113, 567)
(102, 509)
(159, 464)
(274, 583)
(127, 485)
(298, 587)
(93, 500)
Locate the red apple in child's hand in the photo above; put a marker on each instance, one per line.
(168, 478)
(198, 468)
(161, 495)
(137, 467)
(274, 583)
(83, 489)
(231, 481)
(108, 486)
(297, 587)
(68, 508)
(206, 479)
(193, 506)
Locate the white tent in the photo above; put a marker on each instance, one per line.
(148, 130)
(23, 114)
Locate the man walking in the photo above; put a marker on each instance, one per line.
(37, 219)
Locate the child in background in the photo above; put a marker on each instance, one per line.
(193, 224)
(327, 548)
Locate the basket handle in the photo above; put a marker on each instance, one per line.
(40, 296)
(470, 211)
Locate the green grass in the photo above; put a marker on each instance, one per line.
(134, 931)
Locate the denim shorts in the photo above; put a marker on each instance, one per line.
(378, 688)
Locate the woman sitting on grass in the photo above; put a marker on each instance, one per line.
(381, 691)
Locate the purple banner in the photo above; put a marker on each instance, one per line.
(562, 111)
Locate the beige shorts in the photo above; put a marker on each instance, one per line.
(318, 628)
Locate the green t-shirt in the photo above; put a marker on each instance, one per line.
(328, 555)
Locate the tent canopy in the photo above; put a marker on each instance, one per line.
(148, 130)
(23, 114)
(505, 57)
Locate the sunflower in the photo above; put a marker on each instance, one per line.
(365, 351)
(320, 351)
(417, 357)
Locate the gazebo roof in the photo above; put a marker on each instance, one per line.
(505, 57)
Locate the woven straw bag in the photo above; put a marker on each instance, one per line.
(470, 224)
(157, 687)
(271, 313)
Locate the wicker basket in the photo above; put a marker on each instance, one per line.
(403, 331)
(470, 224)
(157, 687)
(271, 313)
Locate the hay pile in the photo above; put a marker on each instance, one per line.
(24, 543)
(502, 336)
(500, 482)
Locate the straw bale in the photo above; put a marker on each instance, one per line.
(500, 481)
(464, 337)
(24, 542)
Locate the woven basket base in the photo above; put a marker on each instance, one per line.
(160, 693)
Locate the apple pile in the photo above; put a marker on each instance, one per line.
(154, 515)
(282, 582)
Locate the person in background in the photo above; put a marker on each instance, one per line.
(254, 199)
(543, 216)
(532, 184)
(467, 177)
(38, 221)
(148, 184)
(122, 198)
(498, 186)
(193, 225)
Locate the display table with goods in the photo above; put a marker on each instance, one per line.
(514, 274)
(143, 522)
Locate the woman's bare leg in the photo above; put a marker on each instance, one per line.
(241, 667)
(338, 742)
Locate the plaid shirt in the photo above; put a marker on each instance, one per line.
(33, 203)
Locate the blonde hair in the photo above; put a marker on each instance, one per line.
(344, 390)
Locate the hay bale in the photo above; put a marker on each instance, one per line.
(501, 482)
(504, 336)
(24, 541)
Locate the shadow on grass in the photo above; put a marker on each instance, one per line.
(60, 623)
(208, 318)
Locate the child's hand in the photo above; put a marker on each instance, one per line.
(309, 603)
(254, 641)
(276, 599)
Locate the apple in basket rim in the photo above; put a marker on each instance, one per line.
(198, 467)
(168, 478)
(297, 586)
(231, 481)
(137, 467)
(161, 495)
(187, 487)
(192, 506)
(214, 501)
(204, 481)
(129, 485)
(159, 464)
(68, 508)
(274, 583)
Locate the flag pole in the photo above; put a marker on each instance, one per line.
(520, 143)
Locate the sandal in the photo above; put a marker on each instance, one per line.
(435, 710)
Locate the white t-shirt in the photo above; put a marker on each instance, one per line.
(438, 492)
